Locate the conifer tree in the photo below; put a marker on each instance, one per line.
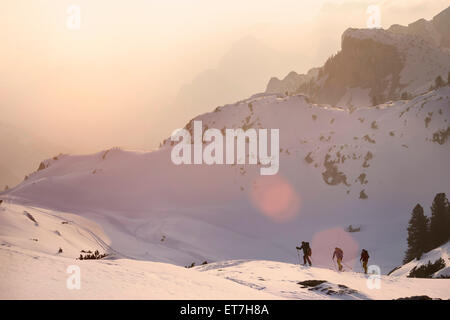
(439, 82)
(448, 221)
(439, 231)
(417, 234)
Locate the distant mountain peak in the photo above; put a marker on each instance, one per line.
(376, 65)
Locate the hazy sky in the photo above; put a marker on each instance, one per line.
(114, 81)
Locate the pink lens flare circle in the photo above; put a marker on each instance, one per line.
(275, 197)
(324, 242)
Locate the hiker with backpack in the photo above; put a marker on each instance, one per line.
(365, 259)
(339, 254)
(307, 252)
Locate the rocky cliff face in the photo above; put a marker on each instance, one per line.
(434, 31)
(375, 66)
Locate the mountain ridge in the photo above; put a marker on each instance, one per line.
(356, 159)
(374, 66)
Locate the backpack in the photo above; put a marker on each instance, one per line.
(339, 253)
(308, 249)
(364, 254)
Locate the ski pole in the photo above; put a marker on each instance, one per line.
(334, 265)
(347, 265)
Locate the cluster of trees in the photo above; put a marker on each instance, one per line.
(193, 264)
(427, 270)
(426, 233)
(438, 83)
(406, 96)
(92, 256)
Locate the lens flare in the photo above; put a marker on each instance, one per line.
(324, 242)
(275, 197)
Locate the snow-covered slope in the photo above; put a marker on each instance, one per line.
(376, 65)
(32, 268)
(290, 281)
(442, 252)
(46, 231)
(338, 167)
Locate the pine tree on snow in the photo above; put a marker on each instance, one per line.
(439, 222)
(417, 234)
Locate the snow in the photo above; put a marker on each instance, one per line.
(29, 275)
(211, 212)
(33, 270)
(431, 256)
(367, 167)
(281, 279)
(356, 97)
(348, 164)
(443, 273)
